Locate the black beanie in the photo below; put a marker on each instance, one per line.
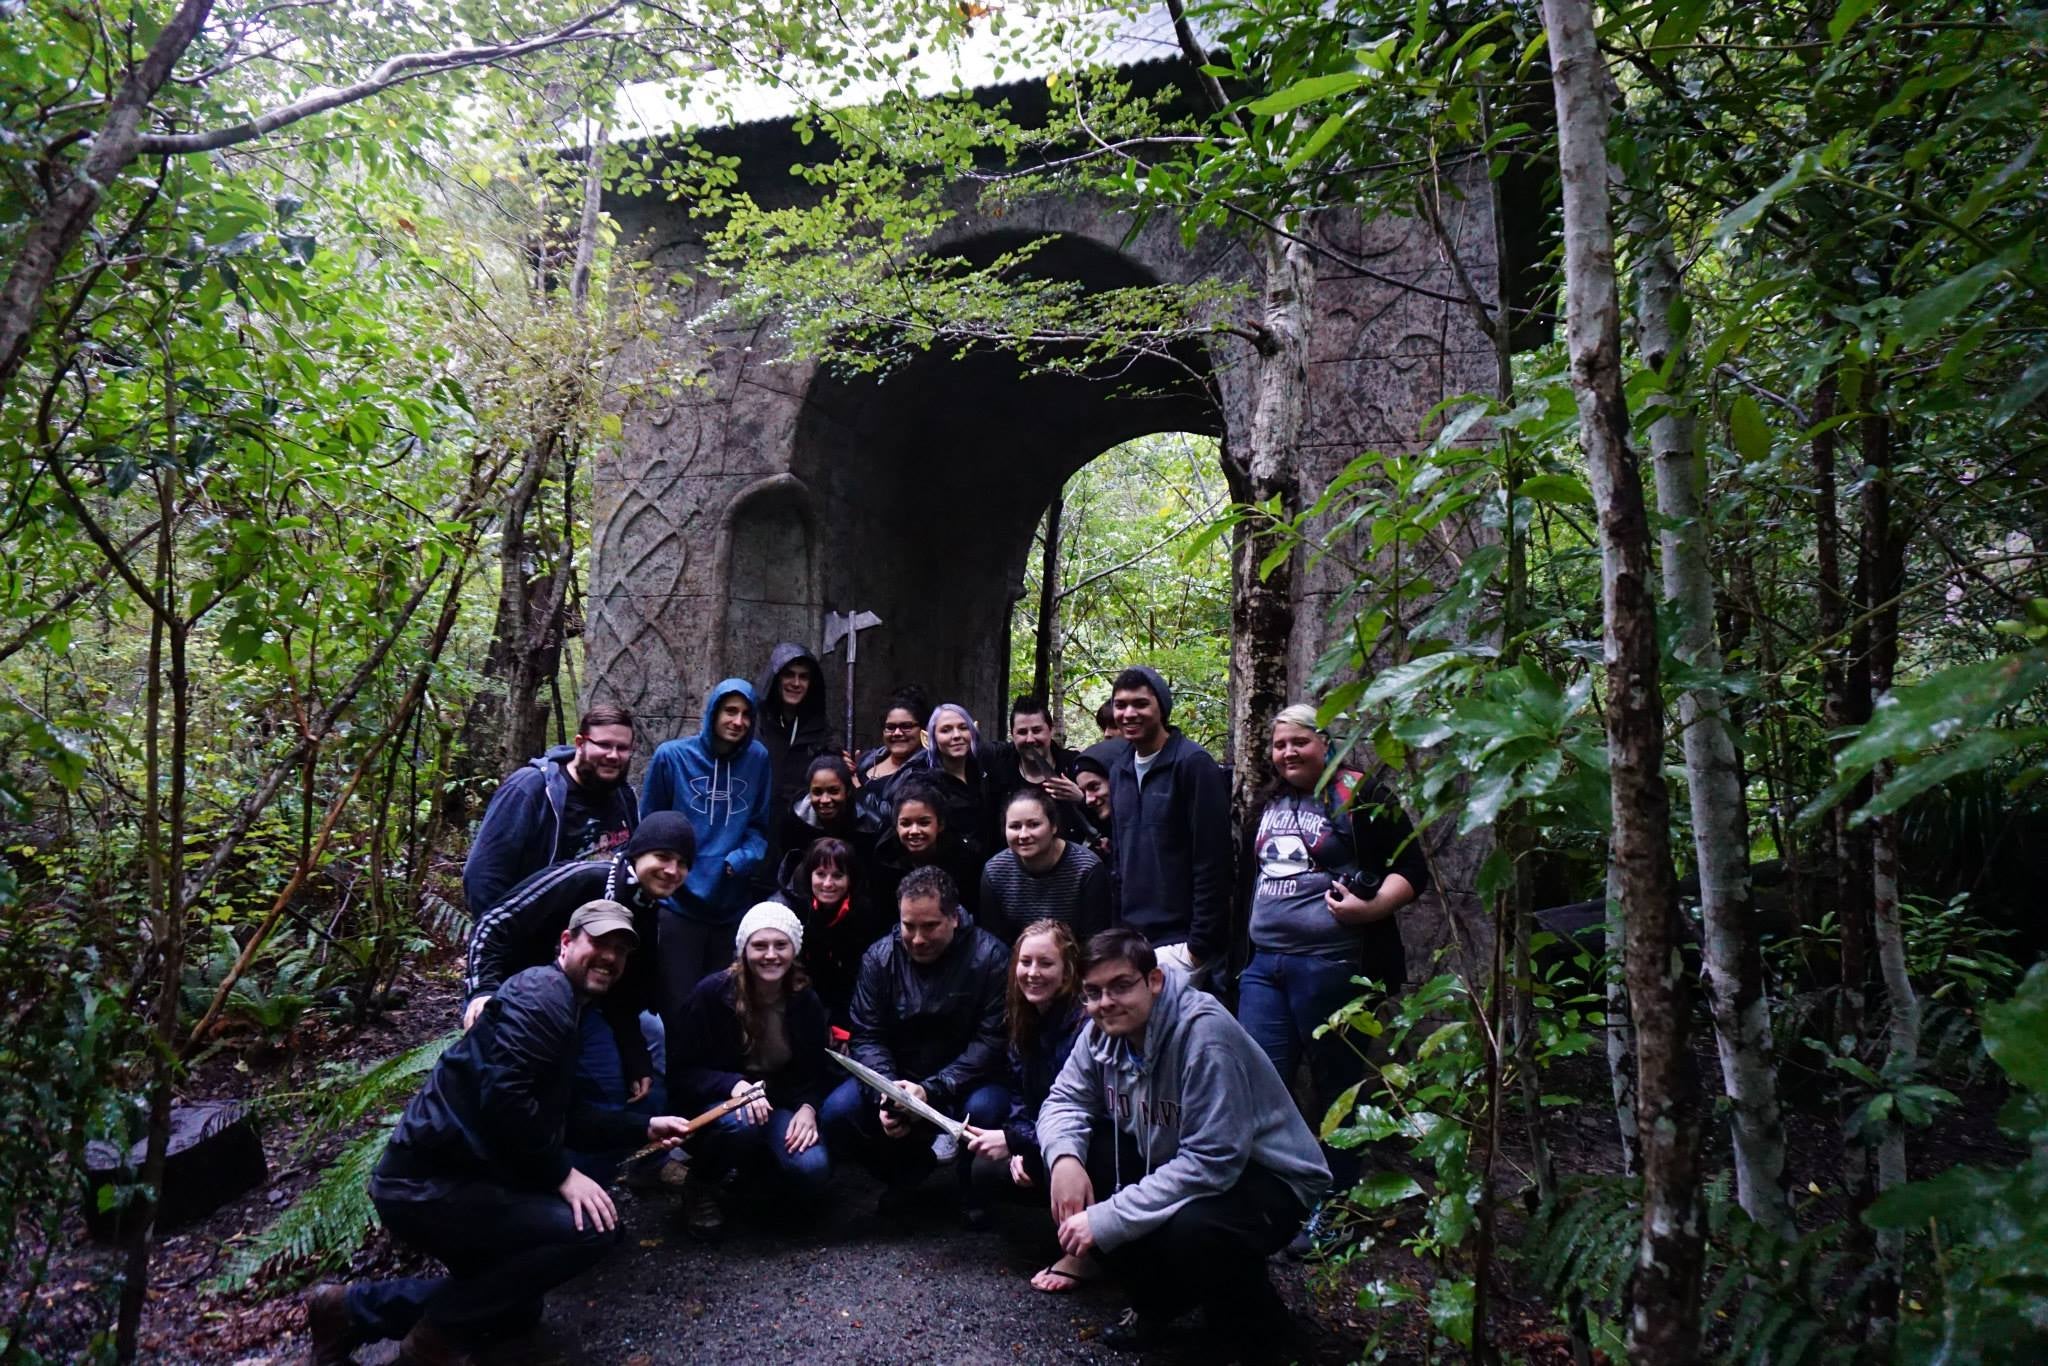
(668, 830)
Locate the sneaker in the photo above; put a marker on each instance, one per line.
(1323, 1235)
(703, 1216)
(1134, 1332)
(675, 1171)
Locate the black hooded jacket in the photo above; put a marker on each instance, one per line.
(793, 741)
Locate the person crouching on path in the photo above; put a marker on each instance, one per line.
(1045, 1017)
(1333, 866)
(830, 896)
(1174, 1151)
(614, 1067)
(758, 1021)
(477, 1175)
(928, 1013)
(721, 780)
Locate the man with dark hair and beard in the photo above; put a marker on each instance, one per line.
(478, 1174)
(570, 803)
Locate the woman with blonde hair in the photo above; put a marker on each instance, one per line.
(1045, 1017)
(1335, 859)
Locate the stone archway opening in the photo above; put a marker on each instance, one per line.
(930, 482)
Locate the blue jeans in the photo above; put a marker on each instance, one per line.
(852, 1123)
(601, 1081)
(733, 1144)
(1281, 999)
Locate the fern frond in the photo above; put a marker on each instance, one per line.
(379, 1087)
(322, 1228)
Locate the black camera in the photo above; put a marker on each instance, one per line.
(1361, 884)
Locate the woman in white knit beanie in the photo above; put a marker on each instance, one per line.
(758, 1022)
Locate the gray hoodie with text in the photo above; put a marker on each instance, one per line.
(1202, 1102)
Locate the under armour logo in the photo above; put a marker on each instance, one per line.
(708, 797)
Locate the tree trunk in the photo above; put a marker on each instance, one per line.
(68, 212)
(534, 566)
(1720, 824)
(1048, 603)
(1262, 607)
(1665, 1291)
(1883, 579)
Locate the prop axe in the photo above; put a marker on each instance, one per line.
(847, 626)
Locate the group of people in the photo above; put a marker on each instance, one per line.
(1033, 943)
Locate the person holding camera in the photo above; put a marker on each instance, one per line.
(1335, 860)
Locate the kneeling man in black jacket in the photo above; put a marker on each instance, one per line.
(476, 1174)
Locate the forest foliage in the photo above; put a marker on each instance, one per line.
(306, 351)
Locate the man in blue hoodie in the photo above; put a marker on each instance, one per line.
(722, 781)
(571, 803)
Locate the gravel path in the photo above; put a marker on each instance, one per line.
(851, 1288)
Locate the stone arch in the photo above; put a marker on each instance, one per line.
(932, 480)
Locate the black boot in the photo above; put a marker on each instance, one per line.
(334, 1332)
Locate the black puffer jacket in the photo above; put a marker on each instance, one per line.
(525, 930)
(793, 741)
(500, 1104)
(939, 1025)
(1033, 1071)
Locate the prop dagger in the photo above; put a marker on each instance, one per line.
(897, 1096)
(717, 1112)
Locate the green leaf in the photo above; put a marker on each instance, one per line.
(1845, 17)
(1339, 1111)
(1566, 489)
(1935, 307)
(1746, 425)
(1405, 677)
(2032, 383)
(1450, 1309)
(1382, 1189)
(2016, 1031)
(1317, 141)
(1309, 91)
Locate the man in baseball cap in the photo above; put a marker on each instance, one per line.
(479, 1172)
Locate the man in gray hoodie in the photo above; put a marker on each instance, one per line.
(1174, 1150)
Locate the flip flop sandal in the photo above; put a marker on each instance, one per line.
(1074, 1281)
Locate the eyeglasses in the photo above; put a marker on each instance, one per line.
(898, 727)
(1120, 988)
(602, 748)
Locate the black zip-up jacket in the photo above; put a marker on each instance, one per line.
(712, 1057)
(525, 930)
(941, 1025)
(1033, 1071)
(523, 824)
(500, 1105)
(1174, 847)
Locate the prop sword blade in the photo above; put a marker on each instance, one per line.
(897, 1096)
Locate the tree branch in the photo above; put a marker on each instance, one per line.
(398, 70)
